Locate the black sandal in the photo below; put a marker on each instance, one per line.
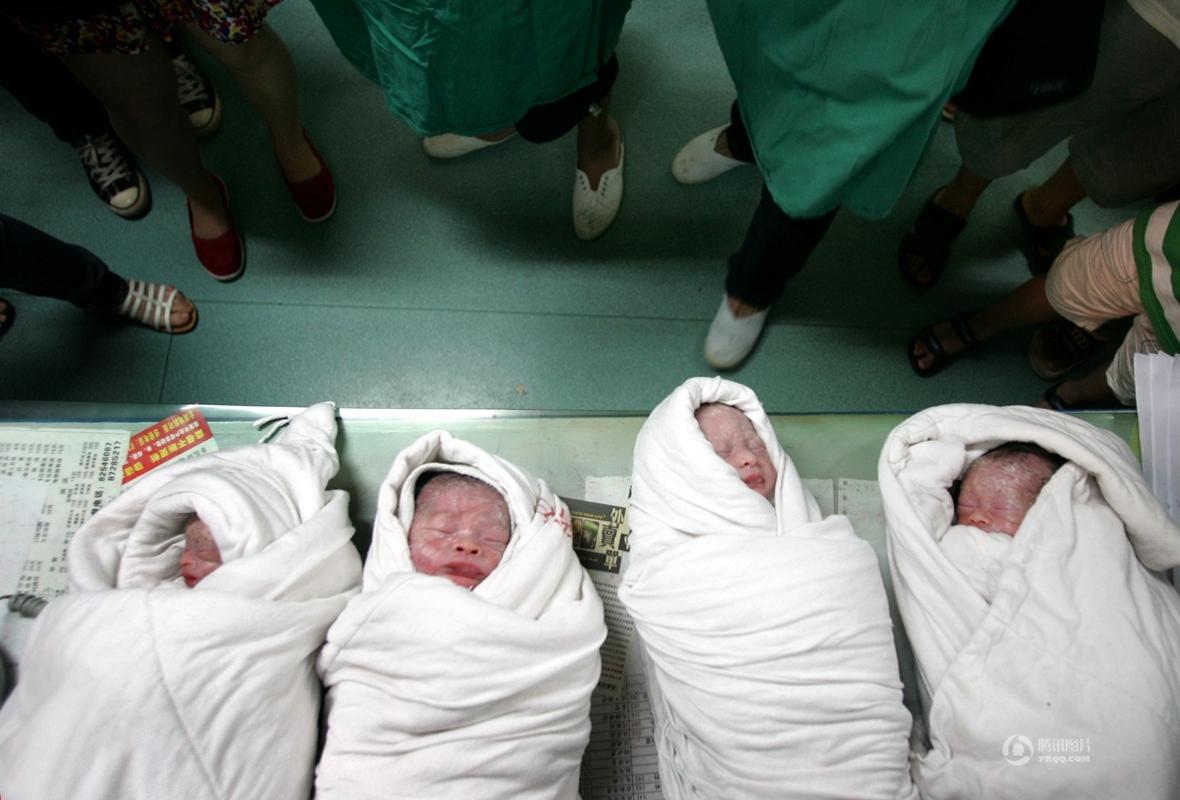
(928, 244)
(1058, 347)
(1041, 243)
(10, 316)
(1054, 400)
(942, 359)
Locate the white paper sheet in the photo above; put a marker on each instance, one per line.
(1157, 393)
(83, 469)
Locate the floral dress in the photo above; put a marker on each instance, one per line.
(124, 27)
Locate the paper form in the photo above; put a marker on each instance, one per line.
(83, 471)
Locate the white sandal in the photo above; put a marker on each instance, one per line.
(150, 304)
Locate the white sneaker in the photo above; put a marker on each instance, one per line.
(732, 338)
(594, 211)
(452, 145)
(698, 161)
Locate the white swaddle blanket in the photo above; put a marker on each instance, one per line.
(979, 555)
(435, 691)
(1067, 684)
(135, 687)
(768, 644)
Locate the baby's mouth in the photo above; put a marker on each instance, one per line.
(463, 573)
(754, 480)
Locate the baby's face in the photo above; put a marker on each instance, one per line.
(459, 531)
(734, 439)
(995, 494)
(200, 556)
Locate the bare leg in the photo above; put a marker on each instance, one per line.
(139, 93)
(599, 141)
(962, 193)
(1048, 205)
(1089, 391)
(740, 308)
(1026, 305)
(499, 135)
(722, 148)
(266, 73)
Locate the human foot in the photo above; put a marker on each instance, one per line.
(159, 307)
(595, 208)
(208, 214)
(7, 316)
(297, 158)
(600, 149)
(932, 349)
(315, 197)
(453, 145)
(222, 255)
(1045, 231)
(733, 333)
(705, 157)
(924, 251)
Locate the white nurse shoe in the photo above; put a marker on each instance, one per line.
(732, 338)
(698, 161)
(594, 211)
(452, 145)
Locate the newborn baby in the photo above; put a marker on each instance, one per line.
(1000, 486)
(201, 555)
(734, 439)
(460, 529)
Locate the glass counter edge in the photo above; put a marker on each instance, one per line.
(70, 412)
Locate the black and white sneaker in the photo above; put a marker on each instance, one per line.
(113, 175)
(198, 95)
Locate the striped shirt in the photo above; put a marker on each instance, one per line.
(1156, 245)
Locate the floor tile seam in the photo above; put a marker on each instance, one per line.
(541, 313)
(164, 371)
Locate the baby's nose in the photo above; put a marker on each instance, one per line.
(469, 546)
(978, 519)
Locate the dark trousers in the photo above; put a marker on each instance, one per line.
(551, 121)
(36, 263)
(776, 245)
(46, 89)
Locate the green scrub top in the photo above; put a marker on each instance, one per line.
(474, 66)
(841, 97)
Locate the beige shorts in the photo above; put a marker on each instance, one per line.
(1120, 375)
(1094, 281)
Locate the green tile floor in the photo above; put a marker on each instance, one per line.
(462, 285)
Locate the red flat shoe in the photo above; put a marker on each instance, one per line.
(315, 197)
(225, 256)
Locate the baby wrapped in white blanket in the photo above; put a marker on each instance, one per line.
(991, 501)
(766, 632)
(1056, 676)
(136, 687)
(457, 673)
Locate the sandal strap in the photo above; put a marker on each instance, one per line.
(934, 220)
(1054, 400)
(962, 326)
(149, 304)
(1079, 341)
